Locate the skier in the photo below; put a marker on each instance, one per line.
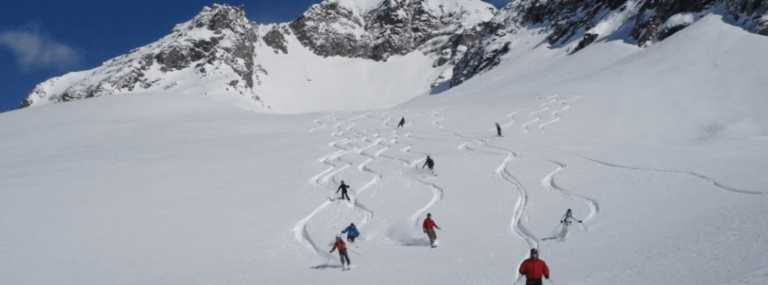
(402, 122)
(342, 252)
(353, 233)
(343, 189)
(566, 220)
(533, 268)
(429, 163)
(428, 227)
(498, 129)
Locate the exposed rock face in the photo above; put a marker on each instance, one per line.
(275, 38)
(574, 25)
(218, 36)
(394, 27)
(462, 38)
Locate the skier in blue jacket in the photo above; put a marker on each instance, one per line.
(353, 233)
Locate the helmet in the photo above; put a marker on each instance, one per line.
(338, 236)
(534, 251)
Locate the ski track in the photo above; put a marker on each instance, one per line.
(690, 173)
(517, 225)
(349, 143)
(324, 178)
(538, 118)
(549, 183)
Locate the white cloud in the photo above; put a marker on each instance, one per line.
(34, 50)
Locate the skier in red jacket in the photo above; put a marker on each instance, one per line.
(429, 226)
(342, 252)
(533, 268)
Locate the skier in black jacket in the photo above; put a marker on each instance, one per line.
(343, 189)
(431, 164)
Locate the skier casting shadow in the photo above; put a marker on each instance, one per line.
(402, 122)
(343, 189)
(431, 164)
(498, 130)
(342, 252)
(352, 232)
(428, 227)
(566, 220)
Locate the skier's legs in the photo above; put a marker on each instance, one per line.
(564, 230)
(344, 194)
(432, 236)
(533, 282)
(351, 238)
(343, 255)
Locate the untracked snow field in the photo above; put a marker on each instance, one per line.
(661, 156)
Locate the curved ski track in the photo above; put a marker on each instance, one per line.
(336, 164)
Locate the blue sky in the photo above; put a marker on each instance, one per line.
(43, 39)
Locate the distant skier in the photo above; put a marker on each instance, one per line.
(343, 189)
(566, 220)
(342, 252)
(533, 268)
(428, 227)
(353, 233)
(429, 163)
(402, 122)
(498, 129)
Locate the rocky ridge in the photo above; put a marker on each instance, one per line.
(218, 38)
(462, 37)
(574, 25)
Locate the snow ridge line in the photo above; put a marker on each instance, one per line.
(702, 177)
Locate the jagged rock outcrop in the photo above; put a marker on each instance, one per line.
(217, 37)
(394, 27)
(216, 51)
(574, 25)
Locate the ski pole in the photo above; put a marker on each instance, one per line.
(553, 232)
(518, 279)
(354, 252)
(585, 226)
(550, 280)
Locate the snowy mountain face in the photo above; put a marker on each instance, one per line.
(395, 27)
(216, 46)
(573, 25)
(364, 48)
(220, 53)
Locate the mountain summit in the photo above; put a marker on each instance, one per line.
(359, 50)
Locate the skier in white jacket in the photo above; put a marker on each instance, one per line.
(566, 220)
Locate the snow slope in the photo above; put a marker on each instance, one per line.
(180, 189)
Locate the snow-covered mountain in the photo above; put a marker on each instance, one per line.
(573, 25)
(660, 150)
(358, 48)
(220, 53)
